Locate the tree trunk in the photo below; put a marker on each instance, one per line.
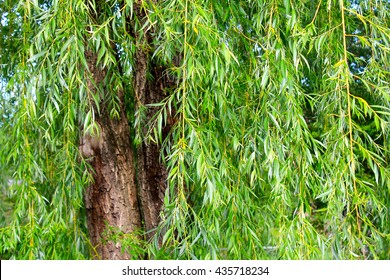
(112, 199)
(128, 191)
(151, 173)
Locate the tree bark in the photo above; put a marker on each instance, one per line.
(151, 173)
(112, 199)
(129, 185)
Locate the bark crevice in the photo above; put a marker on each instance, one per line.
(129, 182)
(111, 200)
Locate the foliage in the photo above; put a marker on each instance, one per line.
(42, 151)
(131, 244)
(281, 145)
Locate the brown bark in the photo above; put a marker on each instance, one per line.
(129, 186)
(112, 199)
(151, 173)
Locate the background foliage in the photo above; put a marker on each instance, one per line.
(281, 145)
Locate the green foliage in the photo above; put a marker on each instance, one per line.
(46, 177)
(269, 158)
(281, 145)
(131, 243)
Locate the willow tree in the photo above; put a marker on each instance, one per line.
(194, 129)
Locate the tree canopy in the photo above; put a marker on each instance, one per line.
(278, 114)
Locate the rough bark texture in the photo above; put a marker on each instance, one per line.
(112, 199)
(129, 186)
(151, 173)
